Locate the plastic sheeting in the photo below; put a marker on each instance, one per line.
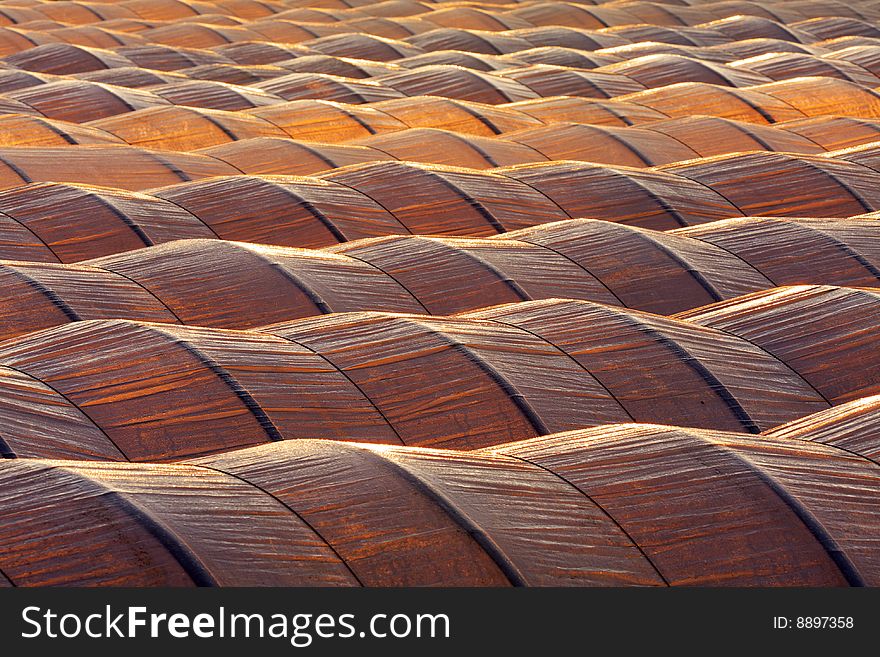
(791, 251)
(835, 132)
(652, 71)
(763, 45)
(154, 326)
(645, 198)
(868, 57)
(231, 73)
(21, 130)
(80, 101)
(185, 128)
(784, 66)
(301, 86)
(700, 385)
(741, 28)
(773, 507)
(489, 377)
(689, 98)
(591, 111)
(78, 537)
(451, 275)
(853, 427)
(709, 136)
(483, 382)
(217, 389)
(458, 83)
(568, 37)
(457, 115)
(546, 80)
(430, 199)
(581, 259)
(284, 211)
(815, 96)
(130, 76)
(39, 295)
(164, 58)
(826, 334)
(783, 185)
(489, 43)
(64, 59)
(442, 147)
(363, 46)
(77, 223)
(341, 66)
(215, 95)
(282, 156)
(236, 285)
(476, 61)
(365, 199)
(648, 270)
(319, 120)
(632, 146)
(556, 56)
(618, 506)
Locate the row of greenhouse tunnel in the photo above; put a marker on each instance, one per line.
(376, 199)
(494, 293)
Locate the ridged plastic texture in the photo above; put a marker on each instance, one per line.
(425, 293)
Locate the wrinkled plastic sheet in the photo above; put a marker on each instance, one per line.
(827, 335)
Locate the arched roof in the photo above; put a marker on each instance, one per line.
(277, 156)
(327, 121)
(762, 46)
(557, 56)
(760, 183)
(457, 115)
(835, 132)
(180, 128)
(215, 95)
(165, 58)
(814, 96)
(586, 110)
(546, 80)
(130, 76)
(638, 197)
(452, 201)
(363, 46)
(467, 502)
(477, 61)
(80, 101)
(644, 269)
(132, 168)
(853, 427)
(740, 28)
(488, 43)
(791, 251)
(62, 58)
(458, 83)
(449, 275)
(339, 66)
(24, 130)
(710, 396)
(443, 147)
(652, 71)
(75, 222)
(804, 327)
(712, 135)
(784, 66)
(630, 146)
(688, 98)
(286, 211)
(320, 86)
